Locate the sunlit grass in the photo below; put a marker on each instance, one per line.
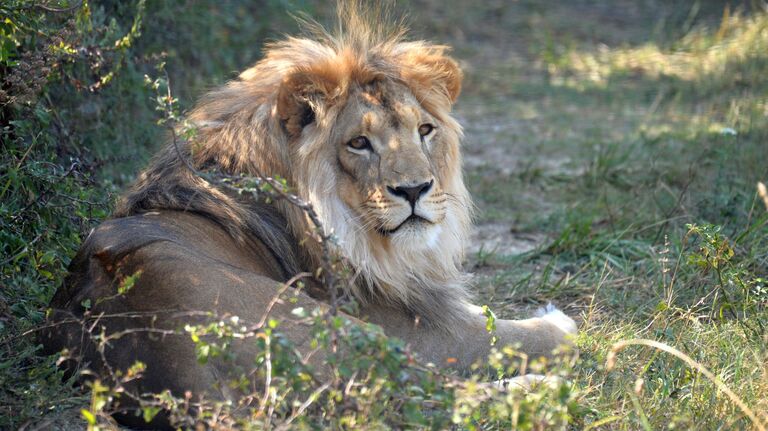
(701, 54)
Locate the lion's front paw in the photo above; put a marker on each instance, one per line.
(551, 314)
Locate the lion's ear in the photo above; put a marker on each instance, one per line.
(433, 72)
(450, 74)
(302, 93)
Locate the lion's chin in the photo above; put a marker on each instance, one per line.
(416, 236)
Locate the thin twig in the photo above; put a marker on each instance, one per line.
(47, 8)
(311, 399)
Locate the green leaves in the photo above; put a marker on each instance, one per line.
(490, 324)
(101, 396)
(741, 289)
(128, 282)
(89, 417)
(212, 340)
(714, 250)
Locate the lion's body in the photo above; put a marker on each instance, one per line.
(360, 124)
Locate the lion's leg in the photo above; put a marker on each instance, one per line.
(469, 341)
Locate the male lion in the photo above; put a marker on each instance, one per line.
(360, 124)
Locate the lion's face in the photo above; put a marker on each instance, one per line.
(381, 164)
(390, 153)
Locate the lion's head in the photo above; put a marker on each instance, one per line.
(359, 123)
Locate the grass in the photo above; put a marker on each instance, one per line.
(631, 139)
(613, 152)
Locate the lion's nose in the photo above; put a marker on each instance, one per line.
(411, 193)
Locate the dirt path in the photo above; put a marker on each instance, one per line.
(492, 149)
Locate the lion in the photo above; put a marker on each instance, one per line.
(359, 123)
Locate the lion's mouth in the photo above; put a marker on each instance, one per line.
(412, 219)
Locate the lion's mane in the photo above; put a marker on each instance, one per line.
(244, 127)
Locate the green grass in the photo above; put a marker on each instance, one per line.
(613, 151)
(629, 135)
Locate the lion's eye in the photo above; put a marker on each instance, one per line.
(426, 129)
(360, 143)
